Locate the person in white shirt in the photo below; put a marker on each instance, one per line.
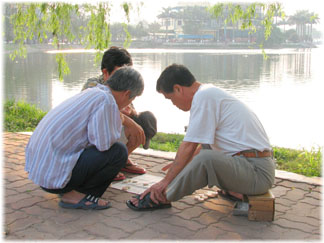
(239, 160)
(74, 150)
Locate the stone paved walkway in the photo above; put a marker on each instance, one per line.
(32, 214)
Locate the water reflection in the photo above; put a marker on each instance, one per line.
(272, 87)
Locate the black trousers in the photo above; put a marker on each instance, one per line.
(95, 170)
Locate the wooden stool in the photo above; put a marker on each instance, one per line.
(262, 207)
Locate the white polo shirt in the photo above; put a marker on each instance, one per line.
(222, 121)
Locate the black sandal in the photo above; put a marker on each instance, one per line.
(82, 204)
(146, 204)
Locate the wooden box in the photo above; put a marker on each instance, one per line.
(262, 207)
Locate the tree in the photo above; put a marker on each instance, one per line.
(301, 19)
(154, 28)
(194, 17)
(249, 15)
(53, 20)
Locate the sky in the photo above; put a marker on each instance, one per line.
(151, 8)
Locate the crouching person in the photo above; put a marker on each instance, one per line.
(240, 159)
(74, 150)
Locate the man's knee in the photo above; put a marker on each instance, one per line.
(121, 152)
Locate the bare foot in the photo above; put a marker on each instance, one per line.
(236, 194)
(75, 197)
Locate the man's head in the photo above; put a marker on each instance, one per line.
(148, 122)
(126, 83)
(175, 83)
(113, 58)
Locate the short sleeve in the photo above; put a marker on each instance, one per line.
(104, 126)
(202, 122)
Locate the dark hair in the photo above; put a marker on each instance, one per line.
(174, 74)
(115, 56)
(126, 78)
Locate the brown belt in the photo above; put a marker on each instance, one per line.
(255, 153)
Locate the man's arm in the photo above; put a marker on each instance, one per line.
(133, 131)
(183, 157)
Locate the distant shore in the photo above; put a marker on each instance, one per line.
(165, 45)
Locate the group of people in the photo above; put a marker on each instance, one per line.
(84, 143)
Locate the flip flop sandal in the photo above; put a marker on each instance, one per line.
(119, 177)
(146, 204)
(141, 171)
(82, 204)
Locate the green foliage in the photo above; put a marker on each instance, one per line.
(248, 14)
(166, 142)
(21, 117)
(304, 162)
(308, 163)
(53, 20)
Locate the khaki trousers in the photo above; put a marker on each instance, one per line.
(250, 176)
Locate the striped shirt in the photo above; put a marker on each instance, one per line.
(89, 118)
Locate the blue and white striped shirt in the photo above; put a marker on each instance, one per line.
(89, 118)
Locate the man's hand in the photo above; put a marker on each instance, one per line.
(158, 192)
(133, 132)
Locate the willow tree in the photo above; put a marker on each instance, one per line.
(43, 21)
(249, 16)
(53, 20)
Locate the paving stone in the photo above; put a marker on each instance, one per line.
(316, 195)
(292, 234)
(12, 177)
(209, 233)
(311, 201)
(26, 202)
(180, 205)
(291, 184)
(32, 214)
(36, 210)
(23, 223)
(33, 234)
(81, 235)
(19, 183)
(127, 226)
(65, 216)
(188, 224)
(289, 224)
(9, 218)
(14, 198)
(272, 232)
(281, 208)
(280, 191)
(50, 204)
(180, 232)
(28, 188)
(302, 219)
(191, 213)
(148, 234)
(102, 231)
(295, 194)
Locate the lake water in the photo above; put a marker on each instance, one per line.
(285, 91)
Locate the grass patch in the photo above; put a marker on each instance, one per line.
(300, 161)
(21, 117)
(166, 142)
(304, 162)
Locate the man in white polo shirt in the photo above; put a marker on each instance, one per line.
(240, 159)
(74, 150)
